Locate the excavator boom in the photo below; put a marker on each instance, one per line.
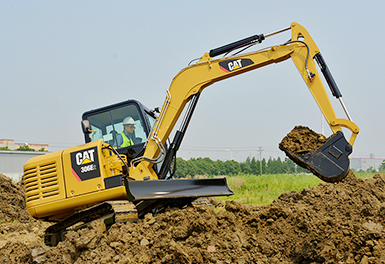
(188, 84)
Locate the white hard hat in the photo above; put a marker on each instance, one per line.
(128, 121)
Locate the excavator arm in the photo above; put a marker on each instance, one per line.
(307, 69)
(190, 82)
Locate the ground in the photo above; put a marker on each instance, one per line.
(331, 223)
(339, 222)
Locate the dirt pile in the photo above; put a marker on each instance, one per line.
(302, 139)
(331, 223)
(327, 158)
(12, 203)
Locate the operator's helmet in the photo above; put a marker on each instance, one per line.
(128, 121)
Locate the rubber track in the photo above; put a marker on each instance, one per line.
(89, 214)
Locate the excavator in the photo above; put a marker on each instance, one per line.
(120, 178)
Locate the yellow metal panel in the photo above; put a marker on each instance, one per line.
(43, 180)
(55, 183)
(81, 165)
(68, 206)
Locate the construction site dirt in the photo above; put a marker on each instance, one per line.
(331, 223)
(302, 139)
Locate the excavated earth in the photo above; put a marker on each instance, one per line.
(332, 223)
(302, 139)
(301, 146)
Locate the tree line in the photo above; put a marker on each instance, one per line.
(22, 148)
(206, 166)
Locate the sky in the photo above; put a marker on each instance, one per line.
(59, 59)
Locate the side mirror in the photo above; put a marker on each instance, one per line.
(86, 127)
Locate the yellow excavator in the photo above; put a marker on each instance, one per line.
(118, 176)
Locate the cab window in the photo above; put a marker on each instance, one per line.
(109, 124)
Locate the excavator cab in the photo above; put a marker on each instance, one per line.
(106, 123)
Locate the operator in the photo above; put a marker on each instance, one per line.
(125, 138)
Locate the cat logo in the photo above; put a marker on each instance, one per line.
(85, 164)
(85, 157)
(232, 65)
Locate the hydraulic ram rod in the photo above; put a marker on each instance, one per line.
(236, 44)
(242, 42)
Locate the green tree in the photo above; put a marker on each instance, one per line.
(181, 168)
(25, 148)
(255, 167)
(206, 166)
(272, 166)
(245, 168)
(264, 166)
(4, 148)
(289, 166)
(371, 170)
(382, 167)
(232, 167)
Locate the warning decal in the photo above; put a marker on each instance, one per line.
(85, 164)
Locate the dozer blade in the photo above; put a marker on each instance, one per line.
(155, 196)
(174, 189)
(329, 162)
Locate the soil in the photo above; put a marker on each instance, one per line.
(332, 223)
(302, 139)
(301, 146)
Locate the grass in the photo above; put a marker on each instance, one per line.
(365, 175)
(264, 189)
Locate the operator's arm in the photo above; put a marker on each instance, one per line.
(119, 140)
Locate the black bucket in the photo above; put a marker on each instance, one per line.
(329, 162)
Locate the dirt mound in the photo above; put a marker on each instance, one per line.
(331, 223)
(302, 139)
(327, 158)
(12, 202)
